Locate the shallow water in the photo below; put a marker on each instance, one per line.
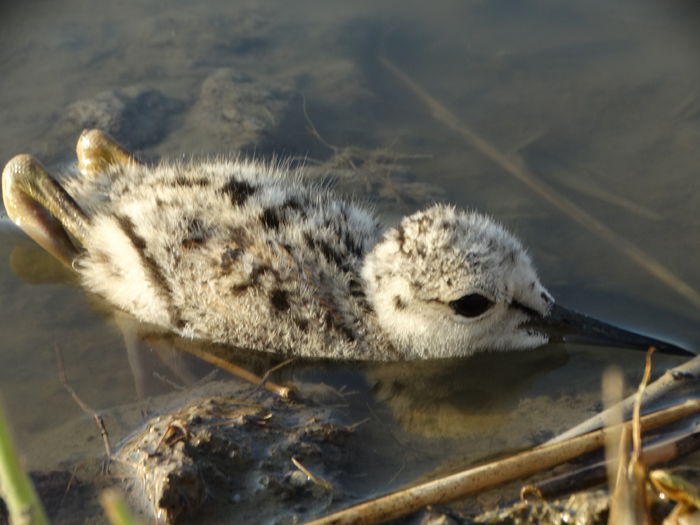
(600, 100)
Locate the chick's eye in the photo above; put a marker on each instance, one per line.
(472, 305)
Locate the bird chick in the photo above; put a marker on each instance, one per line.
(248, 254)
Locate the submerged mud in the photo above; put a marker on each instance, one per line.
(241, 454)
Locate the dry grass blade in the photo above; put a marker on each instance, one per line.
(458, 485)
(584, 187)
(581, 181)
(82, 404)
(622, 495)
(588, 476)
(636, 412)
(628, 504)
(613, 388)
(282, 391)
(637, 470)
(544, 190)
(264, 380)
(670, 380)
(310, 475)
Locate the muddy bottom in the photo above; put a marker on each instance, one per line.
(249, 453)
(221, 449)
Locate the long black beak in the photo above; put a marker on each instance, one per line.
(562, 324)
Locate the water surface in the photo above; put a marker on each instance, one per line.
(600, 100)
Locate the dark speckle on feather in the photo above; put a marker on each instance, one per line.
(355, 288)
(352, 245)
(191, 244)
(302, 324)
(309, 240)
(293, 204)
(150, 266)
(270, 218)
(238, 191)
(279, 299)
(192, 181)
(401, 237)
(330, 254)
(196, 236)
(229, 257)
(238, 289)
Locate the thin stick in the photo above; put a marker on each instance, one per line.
(671, 379)
(628, 504)
(22, 501)
(264, 379)
(82, 404)
(636, 411)
(655, 454)
(582, 185)
(313, 477)
(282, 391)
(544, 190)
(581, 181)
(172, 384)
(621, 499)
(458, 485)
(613, 387)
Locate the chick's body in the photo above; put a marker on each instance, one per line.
(234, 252)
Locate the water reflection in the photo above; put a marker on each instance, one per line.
(435, 399)
(465, 397)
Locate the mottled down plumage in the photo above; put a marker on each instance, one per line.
(247, 254)
(250, 255)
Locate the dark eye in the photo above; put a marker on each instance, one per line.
(472, 305)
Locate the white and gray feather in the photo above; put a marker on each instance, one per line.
(247, 254)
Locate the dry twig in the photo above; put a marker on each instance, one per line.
(628, 503)
(613, 388)
(264, 379)
(581, 181)
(669, 381)
(636, 412)
(313, 477)
(397, 504)
(82, 404)
(654, 454)
(282, 391)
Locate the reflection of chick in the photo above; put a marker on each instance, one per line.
(242, 253)
(461, 398)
